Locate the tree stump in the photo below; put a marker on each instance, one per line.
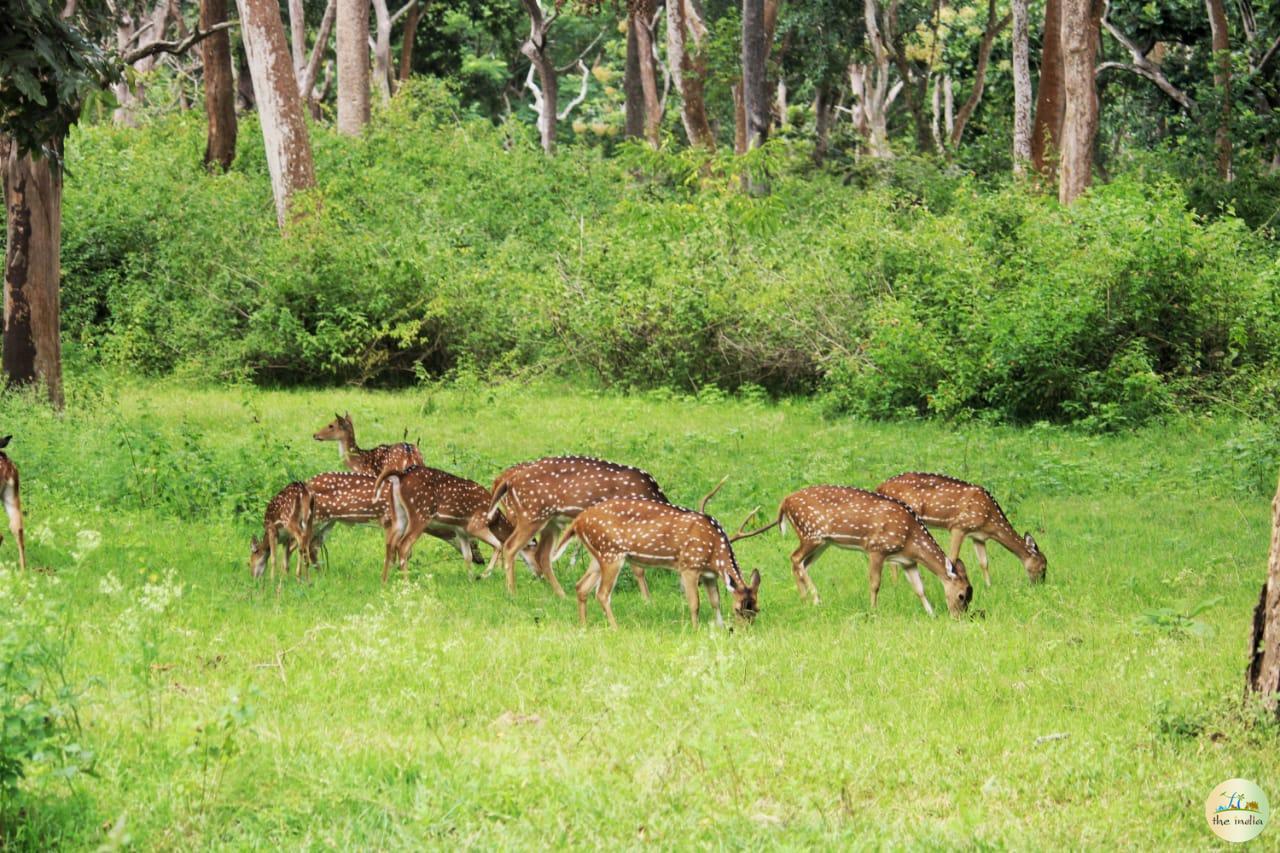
(1264, 644)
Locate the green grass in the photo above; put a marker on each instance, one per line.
(440, 712)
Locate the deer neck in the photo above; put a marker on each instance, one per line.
(347, 447)
(1012, 542)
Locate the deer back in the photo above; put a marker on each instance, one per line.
(945, 501)
(567, 485)
(287, 503)
(389, 458)
(347, 496)
(857, 517)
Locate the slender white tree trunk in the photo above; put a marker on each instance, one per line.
(1021, 89)
(284, 132)
(353, 66)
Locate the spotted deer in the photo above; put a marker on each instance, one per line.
(341, 497)
(655, 533)
(883, 527)
(541, 496)
(450, 508)
(287, 523)
(379, 461)
(965, 509)
(12, 501)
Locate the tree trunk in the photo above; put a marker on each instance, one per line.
(1263, 675)
(298, 38)
(535, 48)
(245, 98)
(755, 83)
(632, 88)
(33, 204)
(1021, 89)
(1080, 26)
(353, 66)
(686, 34)
(642, 14)
(1221, 82)
(1046, 133)
(382, 49)
(993, 29)
(823, 111)
(284, 132)
(219, 90)
(307, 87)
(406, 45)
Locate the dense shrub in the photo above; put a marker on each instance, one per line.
(896, 289)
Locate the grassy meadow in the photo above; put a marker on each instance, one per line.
(1094, 711)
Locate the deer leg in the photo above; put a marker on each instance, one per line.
(604, 590)
(638, 571)
(689, 583)
(464, 545)
(520, 536)
(13, 509)
(800, 560)
(588, 582)
(546, 545)
(713, 597)
(913, 577)
(875, 564)
(980, 548)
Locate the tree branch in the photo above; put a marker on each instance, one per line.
(994, 28)
(403, 9)
(1141, 65)
(582, 93)
(1266, 57)
(175, 47)
(318, 50)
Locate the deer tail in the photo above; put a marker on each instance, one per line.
(565, 541)
(500, 489)
(398, 505)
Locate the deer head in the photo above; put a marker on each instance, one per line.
(746, 600)
(339, 429)
(1036, 563)
(957, 587)
(258, 553)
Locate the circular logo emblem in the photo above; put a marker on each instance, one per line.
(1236, 810)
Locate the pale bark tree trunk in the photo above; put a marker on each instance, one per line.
(1222, 82)
(307, 85)
(994, 28)
(1080, 113)
(870, 88)
(219, 88)
(1046, 133)
(1021, 89)
(632, 88)
(33, 245)
(353, 66)
(298, 39)
(124, 111)
(536, 49)
(153, 29)
(642, 13)
(1263, 675)
(948, 105)
(406, 44)
(686, 34)
(284, 131)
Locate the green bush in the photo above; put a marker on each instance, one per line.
(900, 288)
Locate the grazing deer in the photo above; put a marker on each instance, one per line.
(884, 527)
(450, 508)
(539, 496)
(965, 509)
(380, 461)
(655, 533)
(286, 522)
(348, 498)
(12, 501)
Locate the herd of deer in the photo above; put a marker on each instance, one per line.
(618, 513)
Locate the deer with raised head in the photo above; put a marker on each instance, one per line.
(12, 501)
(341, 497)
(965, 509)
(655, 533)
(883, 527)
(451, 508)
(540, 496)
(287, 523)
(380, 461)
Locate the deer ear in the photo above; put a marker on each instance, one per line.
(4, 442)
(755, 579)
(337, 417)
(1030, 542)
(951, 568)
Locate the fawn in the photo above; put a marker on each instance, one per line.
(286, 522)
(12, 501)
